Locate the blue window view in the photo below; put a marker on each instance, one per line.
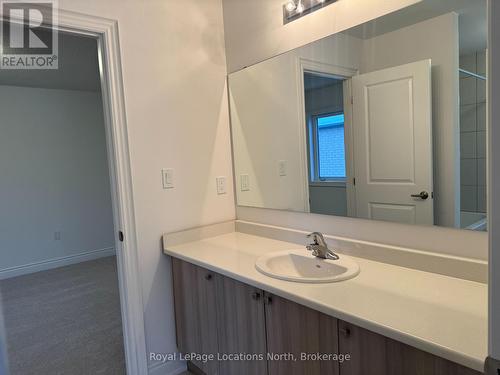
(331, 148)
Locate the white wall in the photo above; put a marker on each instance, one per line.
(325, 99)
(328, 199)
(254, 30)
(55, 177)
(174, 75)
(266, 130)
(436, 39)
(268, 127)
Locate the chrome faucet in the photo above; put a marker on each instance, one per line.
(319, 247)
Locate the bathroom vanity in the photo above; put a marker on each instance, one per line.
(386, 320)
(370, 133)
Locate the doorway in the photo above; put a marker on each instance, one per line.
(325, 119)
(105, 33)
(58, 266)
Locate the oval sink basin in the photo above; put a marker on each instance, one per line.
(300, 266)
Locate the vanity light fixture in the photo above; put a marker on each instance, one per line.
(300, 7)
(290, 6)
(294, 9)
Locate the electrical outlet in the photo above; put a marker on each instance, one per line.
(244, 182)
(282, 168)
(167, 177)
(221, 185)
(57, 236)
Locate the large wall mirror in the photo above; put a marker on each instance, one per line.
(385, 121)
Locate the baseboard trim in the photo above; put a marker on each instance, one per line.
(45, 265)
(167, 368)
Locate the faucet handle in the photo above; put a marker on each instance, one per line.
(317, 238)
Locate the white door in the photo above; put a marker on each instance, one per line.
(392, 136)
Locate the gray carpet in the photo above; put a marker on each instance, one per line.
(65, 321)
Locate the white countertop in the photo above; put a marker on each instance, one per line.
(442, 315)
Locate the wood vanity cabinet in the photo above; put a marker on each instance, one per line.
(378, 355)
(219, 314)
(216, 314)
(241, 326)
(195, 312)
(296, 329)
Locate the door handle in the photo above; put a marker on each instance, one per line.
(346, 332)
(422, 195)
(256, 296)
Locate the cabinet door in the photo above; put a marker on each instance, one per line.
(296, 329)
(378, 355)
(404, 359)
(366, 349)
(195, 312)
(242, 327)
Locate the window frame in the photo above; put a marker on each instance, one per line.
(314, 178)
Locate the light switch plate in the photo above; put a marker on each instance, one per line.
(221, 185)
(167, 176)
(244, 182)
(282, 168)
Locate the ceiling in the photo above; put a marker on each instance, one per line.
(472, 21)
(78, 68)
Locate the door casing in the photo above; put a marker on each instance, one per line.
(342, 73)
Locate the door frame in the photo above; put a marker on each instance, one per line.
(493, 182)
(105, 31)
(334, 71)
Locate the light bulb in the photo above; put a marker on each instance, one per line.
(290, 6)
